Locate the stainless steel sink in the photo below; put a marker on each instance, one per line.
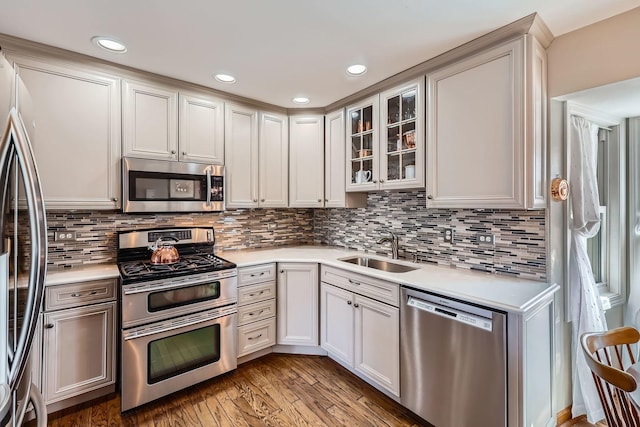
(378, 264)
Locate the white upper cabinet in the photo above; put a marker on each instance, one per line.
(150, 121)
(256, 158)
(201, 125)
(402, 136)
(385, 140)
(155, 128)
(74, 128)
(274, 160)
(241, 156)
(306, 155)
(486, 129)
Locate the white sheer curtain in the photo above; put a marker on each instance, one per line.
(586, 309)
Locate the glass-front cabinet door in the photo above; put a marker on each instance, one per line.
(362, 145)
(402, 136)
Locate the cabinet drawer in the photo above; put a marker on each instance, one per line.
(254, 293)
(377, 289)
(256, 274)
(78, 294)
(257, 311)
(256, 336)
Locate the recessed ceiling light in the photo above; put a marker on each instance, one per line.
(225, 78)
(109, 43)
(356, 70)
(301, 100)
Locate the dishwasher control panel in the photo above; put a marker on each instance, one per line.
(453, 314)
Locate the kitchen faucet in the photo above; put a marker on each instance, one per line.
(393, 239)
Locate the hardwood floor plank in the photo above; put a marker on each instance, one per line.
(275, 390)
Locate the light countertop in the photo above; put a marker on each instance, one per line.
(82, 274)
(491, 290)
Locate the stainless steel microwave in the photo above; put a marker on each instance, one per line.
(166, 186)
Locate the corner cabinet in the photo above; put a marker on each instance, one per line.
(256, 158)
(74, 129)
(385, 140)
(297, 304)
(162, 123)
(486, 129)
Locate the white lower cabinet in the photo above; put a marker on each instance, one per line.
(360, 332)
(298, 304)
(79, 342)
(256, 308)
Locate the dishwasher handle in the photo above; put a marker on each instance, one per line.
(451, 313)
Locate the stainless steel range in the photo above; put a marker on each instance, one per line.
(178, 318)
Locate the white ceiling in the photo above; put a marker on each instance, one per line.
(278, 49)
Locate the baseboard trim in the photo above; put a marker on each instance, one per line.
(563, 416)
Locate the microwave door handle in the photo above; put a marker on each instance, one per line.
(208, 187)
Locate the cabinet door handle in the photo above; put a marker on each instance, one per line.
(356, 305)
(173, 151)
(375, 181)
(429, 196)
(381, 181)
(349, 303)
(281, 271)
(262, 200)
(255, 200)
(81, 294)
(254, 338)
(48, 326)
(115, 199)
(184, 153)
(319, 200)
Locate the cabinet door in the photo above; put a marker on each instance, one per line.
(334, 178)
(377, 342)
(402, 136)
(78, 351)
(149, 121)
(241, 156)
(475, 131)
(337, 322)
(297, 306)
(74, 129)
(274, 161)
(201, 124)
(362, 146)
(306, 168)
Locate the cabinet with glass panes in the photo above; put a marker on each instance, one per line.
(386, 150)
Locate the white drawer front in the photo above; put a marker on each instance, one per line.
(257, 311)
(255, 293)
(256, 274)
(79, 294)
(256, 336)
(377, 289)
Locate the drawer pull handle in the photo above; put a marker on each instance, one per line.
(256, 314)
(259, 293)
(254, 275)
(254, 338)
(353, 282)
(80, 294)
(48, 325)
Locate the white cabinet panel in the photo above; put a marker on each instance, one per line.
(201, 124)
(75, 133)
(150, 121)
(337, 320)
(297, 303)
(306, 168)
(274, 164)
(241, 156)
(78, 351)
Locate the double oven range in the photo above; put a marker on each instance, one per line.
(178, 320)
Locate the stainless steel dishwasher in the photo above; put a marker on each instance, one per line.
(453, 361)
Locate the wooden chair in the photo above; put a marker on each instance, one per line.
(604, 354)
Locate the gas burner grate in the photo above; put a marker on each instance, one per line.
(186, 264)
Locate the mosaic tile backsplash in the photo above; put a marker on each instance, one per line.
(519, 248)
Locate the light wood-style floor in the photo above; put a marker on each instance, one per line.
(276, 390)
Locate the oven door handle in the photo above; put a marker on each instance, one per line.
(169, 286)
(190, 321)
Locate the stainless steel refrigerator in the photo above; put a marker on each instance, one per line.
(23, 253)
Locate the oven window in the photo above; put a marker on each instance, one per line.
(181, 353)
(163, 300)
